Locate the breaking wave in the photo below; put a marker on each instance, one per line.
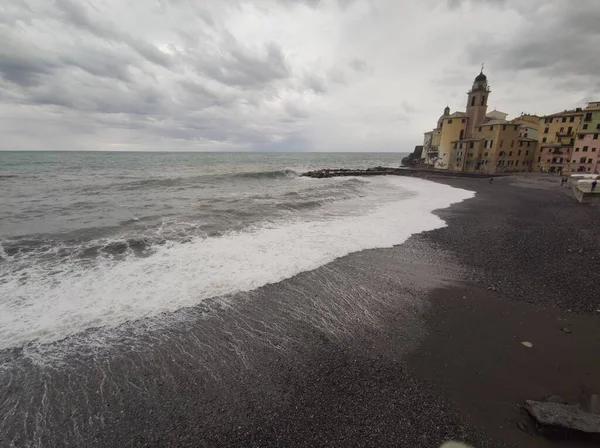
(54, 298)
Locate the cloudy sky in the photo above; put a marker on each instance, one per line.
(280, 75)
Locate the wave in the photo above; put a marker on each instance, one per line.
(277, 174)
(208, 179)
(41, 307)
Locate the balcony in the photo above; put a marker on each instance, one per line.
(432, 150)
(565, 134)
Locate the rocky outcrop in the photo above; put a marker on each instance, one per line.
(559, 415)
(413, 160)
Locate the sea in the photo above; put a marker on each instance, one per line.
(198, 299)
(95, 240)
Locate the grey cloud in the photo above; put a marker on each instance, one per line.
(295, 111)
(336, 75)
(315, 83)
(409, 108)
(560, 39)
(455, 4)
(77, 15)
(244, 68)
(315, 3)
(358, 64)
(20, 63)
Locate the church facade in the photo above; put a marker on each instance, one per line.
(480, 141)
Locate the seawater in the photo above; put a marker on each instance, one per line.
(98, 240)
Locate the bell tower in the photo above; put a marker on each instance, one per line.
(477, 103)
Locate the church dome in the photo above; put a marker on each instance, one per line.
(481, 78)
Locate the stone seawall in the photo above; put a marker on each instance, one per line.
(383, 171)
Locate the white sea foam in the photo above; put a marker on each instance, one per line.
(108, 293)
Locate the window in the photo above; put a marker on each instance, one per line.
(564, 120)
(570, 130)
(544, 140)
(576, 149)
(517, 163)
(526, 153)
(525, 135)
(483, 100)
(486, 154)
(471, 145)
(473, 101)
(516, 127)
(571, 141)
(571, 120)
(546, 130)
(521, 143)
(479, 128)
(501, 143)
(593, 149)
(580, 136)
(588, 117)
(562, 130)
(590, 160)
(539, 159)
(491, 128)
(585, 149)
(519, 153)
(510, 153)
(598, 126)
(585, 126)
(582, 160)
(450, 121)
(455, 146)
(512, 143)
(460, 145)
(463, 120)
(595, 136)
(504, 127)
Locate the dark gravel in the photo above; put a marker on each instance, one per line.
(527, 239)
(319, 359)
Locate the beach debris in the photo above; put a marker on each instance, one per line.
(566, 330)
(563, 416)
(527, 344)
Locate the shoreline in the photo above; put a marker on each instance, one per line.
(377, 348)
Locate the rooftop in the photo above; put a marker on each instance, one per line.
(566, 113)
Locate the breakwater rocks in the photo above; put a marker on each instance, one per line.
(384, 171)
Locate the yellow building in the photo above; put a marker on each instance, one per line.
(556, 140)
(478, 141)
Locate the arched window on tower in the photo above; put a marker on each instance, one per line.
(483, 100)
(473, 101)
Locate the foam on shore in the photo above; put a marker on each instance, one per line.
(47, 308)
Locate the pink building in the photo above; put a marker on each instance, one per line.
(585, 156)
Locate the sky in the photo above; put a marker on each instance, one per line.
(280, 75)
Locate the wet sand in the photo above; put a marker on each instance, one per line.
(378, 348)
